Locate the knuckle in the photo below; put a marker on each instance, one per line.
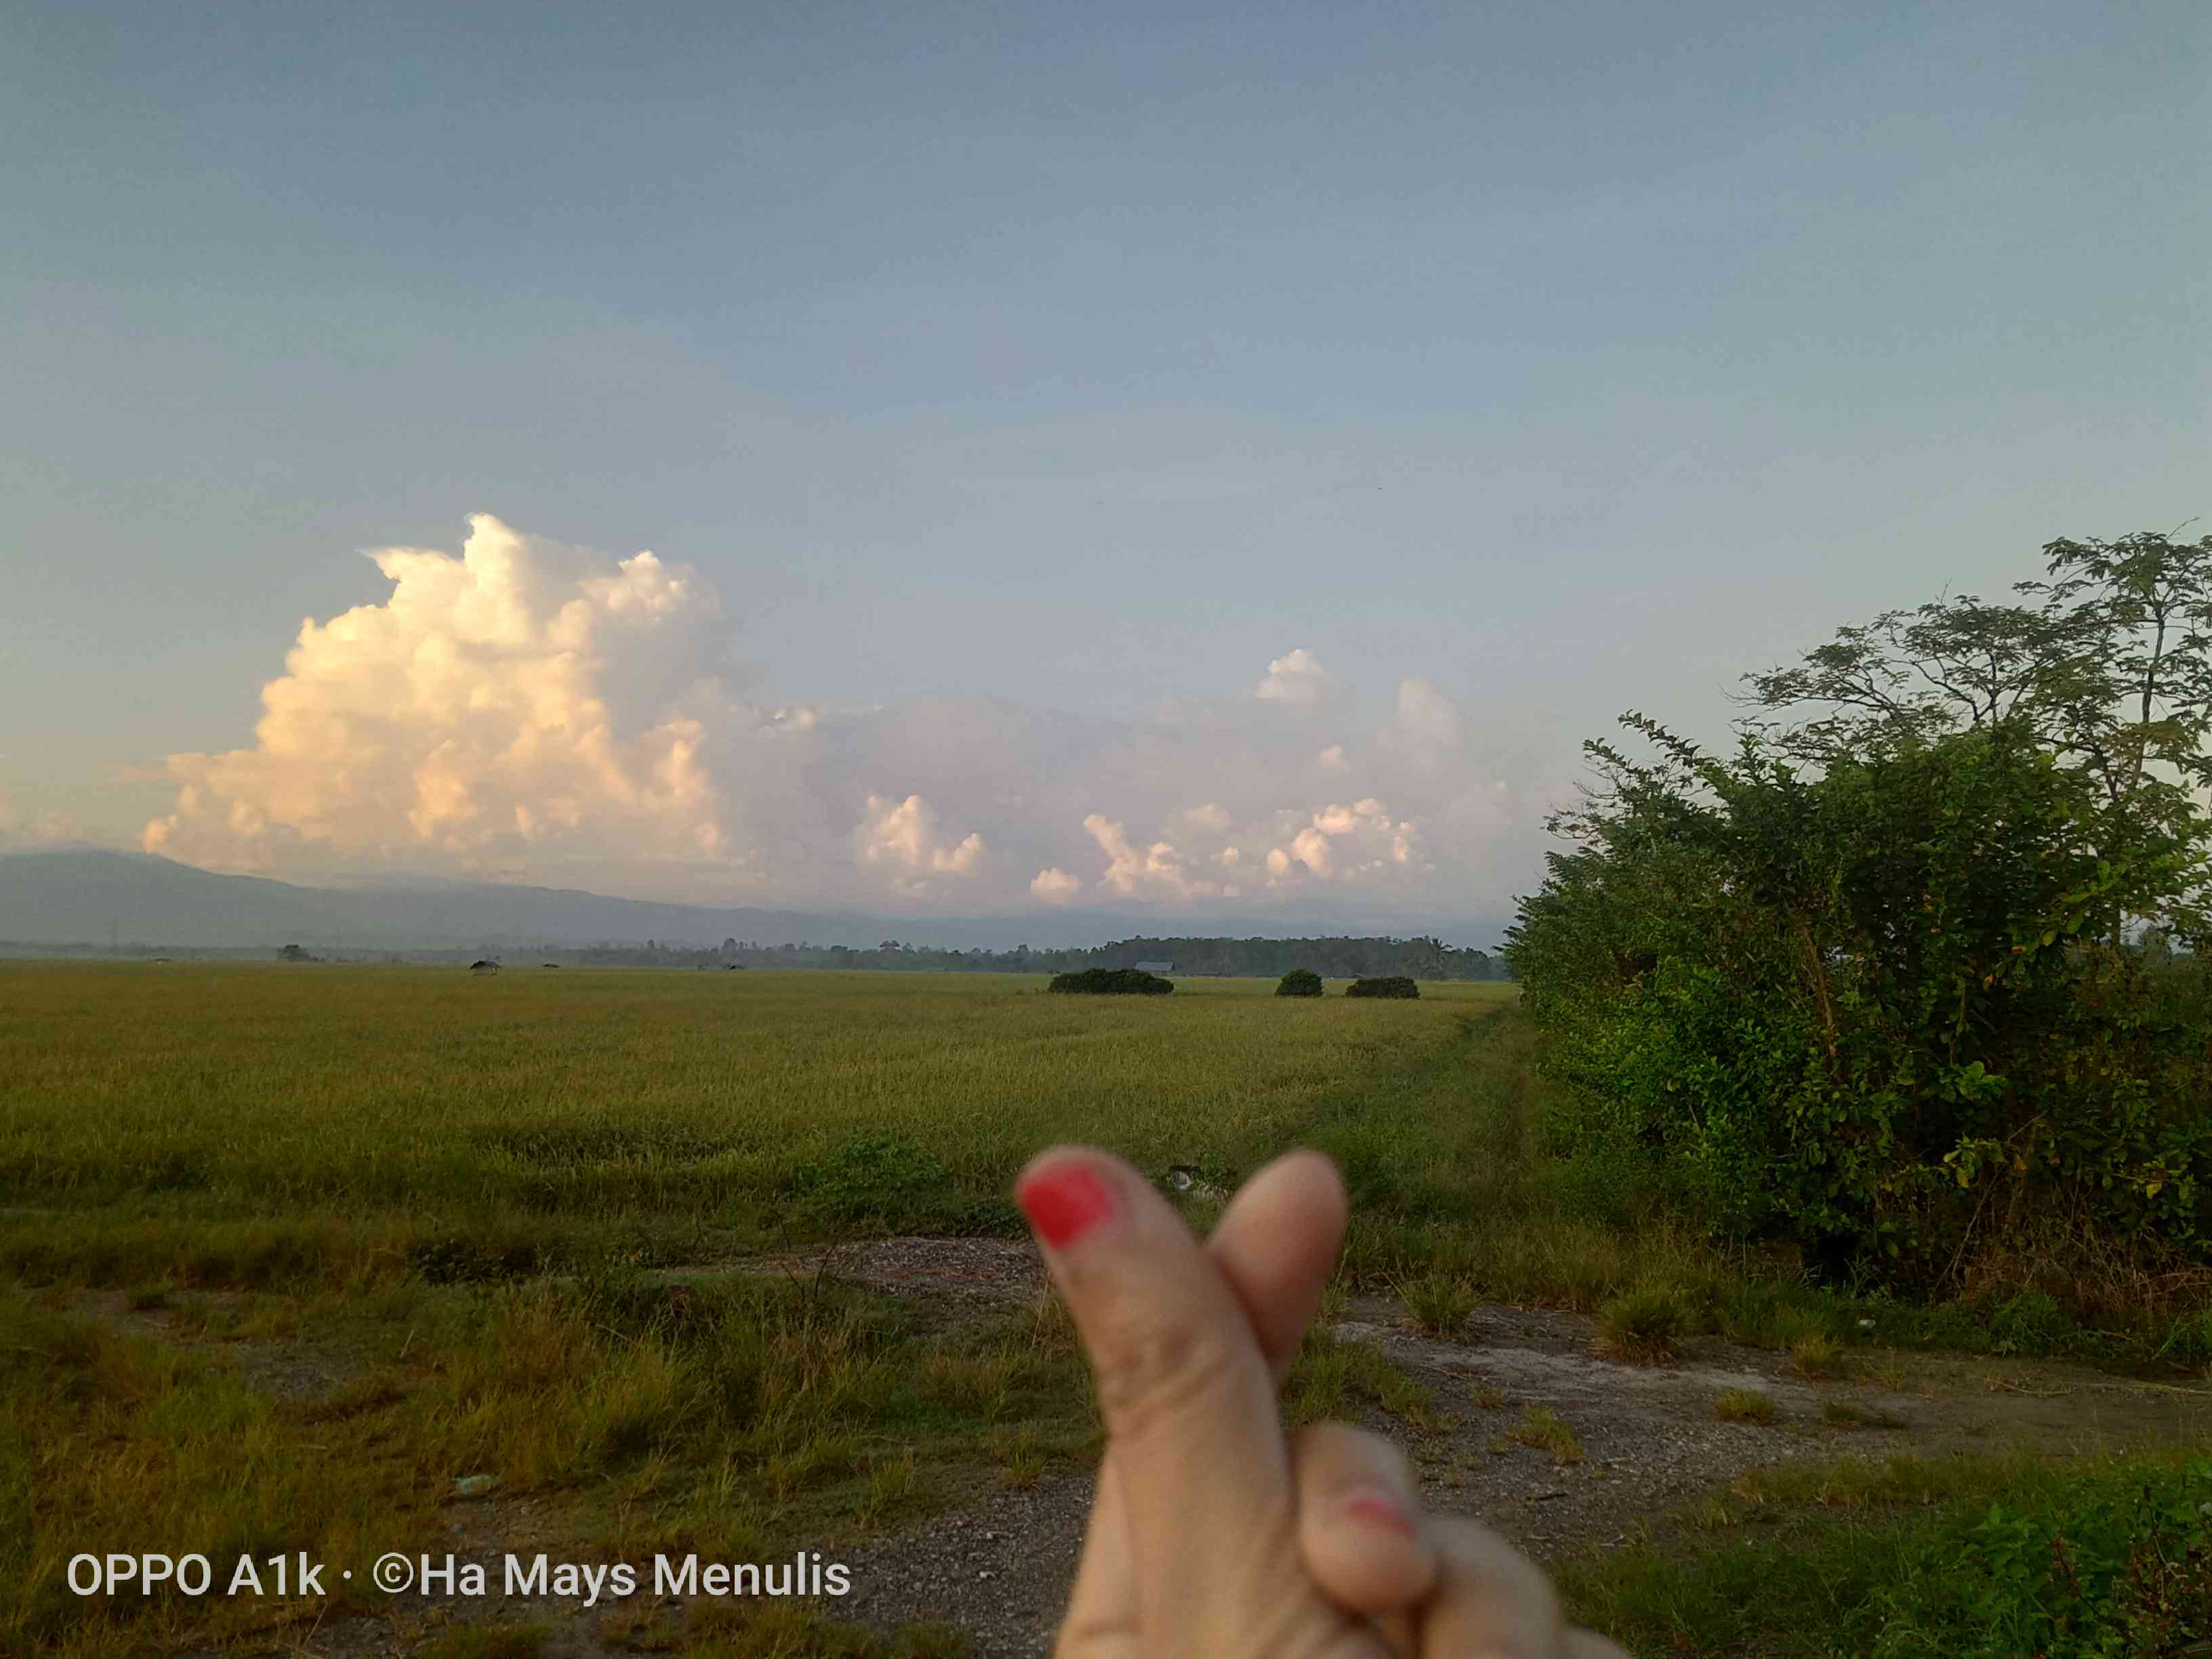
(1331, 1455)
(1152, 1375)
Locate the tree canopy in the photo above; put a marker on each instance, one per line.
(1879, 981)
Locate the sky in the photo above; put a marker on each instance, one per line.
(982, 458)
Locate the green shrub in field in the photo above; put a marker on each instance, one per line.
(1388, 985)
(1299, 982)
(1874, 976)
(1112, 982)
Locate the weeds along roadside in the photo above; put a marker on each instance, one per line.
(1976, 1557)
(641, 1414)
(725, 1418)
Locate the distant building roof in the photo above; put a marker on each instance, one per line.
(1156, 967)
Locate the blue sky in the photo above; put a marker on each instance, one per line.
(1562, 359)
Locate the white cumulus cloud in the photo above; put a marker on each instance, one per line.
(1298, 679)
(906, 837)
(1158, 871)
(522, 696)
(1347, 843)
(531, 711)
(1054, 886)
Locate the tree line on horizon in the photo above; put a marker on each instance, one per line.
(1345, 957)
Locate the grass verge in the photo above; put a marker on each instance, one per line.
(1967, 1558)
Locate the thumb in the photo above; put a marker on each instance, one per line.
(1188, 1397)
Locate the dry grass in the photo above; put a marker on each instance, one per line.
(1644, 1327)
(1438, 1302)
(1021, 1457)
(2096, 1276)
(707, 1416)
(1331, 1377)
(1816, 1356)
(1744, 1406)
(1543, 1428)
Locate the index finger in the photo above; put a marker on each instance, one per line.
(1189, 1398)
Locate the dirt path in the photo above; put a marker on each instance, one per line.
(1644, 1439)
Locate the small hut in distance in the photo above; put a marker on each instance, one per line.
(483, 965)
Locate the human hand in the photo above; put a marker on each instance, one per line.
(1211, 1534)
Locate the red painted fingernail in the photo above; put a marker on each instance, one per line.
(1065, 1202)
(1380, 1510)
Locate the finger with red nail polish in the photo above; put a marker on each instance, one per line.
(1065, 1201)
(1357, 1519)
(1188, 1399)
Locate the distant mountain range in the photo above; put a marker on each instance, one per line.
(75, 898)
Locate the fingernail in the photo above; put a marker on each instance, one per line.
(1373, 1506)
(1065, 1202)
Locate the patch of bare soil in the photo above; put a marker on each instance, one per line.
(1649, 1436)
(1638, 1441)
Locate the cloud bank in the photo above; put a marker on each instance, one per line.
(23, 827)
(532, 711)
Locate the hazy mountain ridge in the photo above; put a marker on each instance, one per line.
(79, 896)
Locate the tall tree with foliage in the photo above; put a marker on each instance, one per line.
(1867, 983)
(2112, 672)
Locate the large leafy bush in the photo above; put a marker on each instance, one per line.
(1885, 995)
